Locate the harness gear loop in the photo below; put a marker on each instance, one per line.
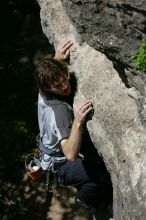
(54, 159)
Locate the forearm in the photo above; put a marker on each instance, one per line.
(72, 145)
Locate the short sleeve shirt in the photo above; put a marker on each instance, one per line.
(55, 120)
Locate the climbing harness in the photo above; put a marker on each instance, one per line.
(34, 168)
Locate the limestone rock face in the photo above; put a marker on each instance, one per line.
(114, 27)
(116, 128)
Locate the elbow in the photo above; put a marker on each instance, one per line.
(71, 157)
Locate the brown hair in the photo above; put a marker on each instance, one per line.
(47, 71)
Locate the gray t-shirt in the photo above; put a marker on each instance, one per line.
(55, 121)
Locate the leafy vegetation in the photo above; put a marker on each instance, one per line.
(139, 58)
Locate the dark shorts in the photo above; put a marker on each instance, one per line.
(89, 178)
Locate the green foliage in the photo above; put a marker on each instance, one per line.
(15, 134)
(139, 58)
(16, 140)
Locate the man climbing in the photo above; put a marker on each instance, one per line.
(63, 133)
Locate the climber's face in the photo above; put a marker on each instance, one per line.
(61, 86)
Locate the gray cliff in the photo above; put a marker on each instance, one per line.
(105, 34)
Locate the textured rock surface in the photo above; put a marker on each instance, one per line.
(114, 27)
(116, 128)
